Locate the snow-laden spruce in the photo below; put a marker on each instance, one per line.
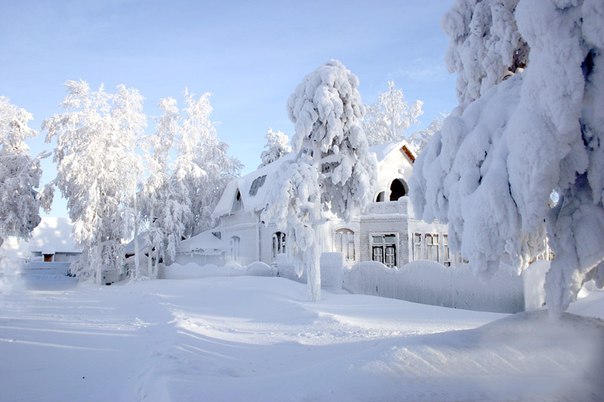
(491, 171)
(390, 116)
(97, 170)
(333, 170)
(277, 145)
(19, 174)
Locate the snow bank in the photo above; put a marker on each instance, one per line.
(429, 282)
(331, 270)
(192, 270)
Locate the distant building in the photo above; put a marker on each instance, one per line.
(386, 231)
(51, 241)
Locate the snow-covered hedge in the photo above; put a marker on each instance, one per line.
(429, 282)
(192, 270)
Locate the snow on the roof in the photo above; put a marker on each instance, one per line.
(251, 187)
(205, 241)
(53, 235)
(383, 150)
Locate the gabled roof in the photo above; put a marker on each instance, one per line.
(252, 187)
(204, 242)
(53, 235)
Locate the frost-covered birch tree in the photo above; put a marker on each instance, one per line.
(419, 139)
(277, 145)
(390, 116)
(20, 175)
(203, 167)
(164, 216)
(491, 170)
(97, 169)
(333, 171)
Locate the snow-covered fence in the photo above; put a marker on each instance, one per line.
(429, 282)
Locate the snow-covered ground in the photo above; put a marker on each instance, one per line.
(259, 339)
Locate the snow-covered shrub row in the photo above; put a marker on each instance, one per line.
(429, 282)
(192, 270)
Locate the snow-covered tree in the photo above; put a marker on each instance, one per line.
(163, 215)
(491, 170)
(203, 167)
(19, 174)
(486, 46)
(333, 170)
(97, 169)
(419, 139)
(277, 145)
(390, 116)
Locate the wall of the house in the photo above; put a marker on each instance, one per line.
(243, 225)
(385, 218)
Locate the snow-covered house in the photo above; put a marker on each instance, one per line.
(51, 241)
(386, 231)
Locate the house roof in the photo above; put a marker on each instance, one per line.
(252, 187)
(54, 235)
(205, 241)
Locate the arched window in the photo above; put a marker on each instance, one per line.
(398, 189)
(380, 197)
(345, 244)
(235, 244)
(278, 244)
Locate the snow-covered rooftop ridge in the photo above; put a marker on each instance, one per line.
(382, 151)
(54, 235)
(252, 186)
(202, 242)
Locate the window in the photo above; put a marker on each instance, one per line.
(278, 244)
(446, 253)
(398, 189)
(383, 249)
(235, 244)
(417, 246)
(431, 247)
(345, 244)
(238, 202)
(256, 184)
(380, 197)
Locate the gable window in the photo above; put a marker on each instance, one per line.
(345, 244)
(256, 184)
(431, 246)
(383, 249)
(278, 244)
(235, 244)
(238, 202)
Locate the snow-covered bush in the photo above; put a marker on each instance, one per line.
(332, 265)
(429, 282)
(491, 170)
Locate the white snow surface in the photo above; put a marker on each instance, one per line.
(259, 339)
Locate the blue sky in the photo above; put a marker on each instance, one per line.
(249, 55)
